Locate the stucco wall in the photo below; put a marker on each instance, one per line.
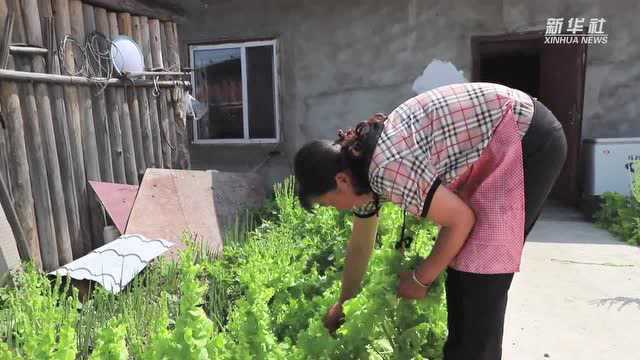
(612, 83)
(341, 61)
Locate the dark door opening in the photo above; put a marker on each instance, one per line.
(552, 73)
(507, 69)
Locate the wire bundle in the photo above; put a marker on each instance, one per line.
(92, 59)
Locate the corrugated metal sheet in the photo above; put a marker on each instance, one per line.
(115, 264)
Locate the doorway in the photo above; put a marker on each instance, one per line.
(552, 73)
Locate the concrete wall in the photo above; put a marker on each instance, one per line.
(612, 84)
(341, 61)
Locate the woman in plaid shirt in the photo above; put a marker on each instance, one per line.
(479, 159)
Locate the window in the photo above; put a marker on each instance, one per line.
(239, 84)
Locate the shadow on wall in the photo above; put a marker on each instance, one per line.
(267, 162)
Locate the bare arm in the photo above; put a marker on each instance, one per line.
(359, 249)
(457, 220)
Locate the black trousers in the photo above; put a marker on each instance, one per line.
(477, 302)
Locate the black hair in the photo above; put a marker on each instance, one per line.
(317, 162)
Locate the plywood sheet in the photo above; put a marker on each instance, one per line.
(117, 200)
(172, 202)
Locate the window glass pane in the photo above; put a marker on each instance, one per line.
(218, 81)
(260, 92)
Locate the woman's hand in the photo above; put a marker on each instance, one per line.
(334, 318)
(409, 289)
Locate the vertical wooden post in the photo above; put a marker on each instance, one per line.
(6, 26)
(6, 22)
(101, 121)
(131, 172)
(74, 124)
(19, 167)
(62, 140)
(182, 140)
(89, 142)
(143, 101)
(125, 24)
(4, 12)
(181, 113)
(113, 109)
(38, 173)
(156, 58)
(4, 156)
(155, 43)
(146, 42)
(46, 11)
(18, 34)
(59, 209)
(171, 124)
(7, 199)
(163, 113)
(153, 98)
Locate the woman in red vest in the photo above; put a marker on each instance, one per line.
(479, 159)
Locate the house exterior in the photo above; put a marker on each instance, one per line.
(276, 74)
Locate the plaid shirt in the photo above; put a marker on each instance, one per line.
(437, 136)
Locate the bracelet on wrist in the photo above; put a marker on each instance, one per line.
(420, 283)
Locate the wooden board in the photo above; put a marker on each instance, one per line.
(117, 200)
(170, 202)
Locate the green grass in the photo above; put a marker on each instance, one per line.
(620, 214)
(263, 299)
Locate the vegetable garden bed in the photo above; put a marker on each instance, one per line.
(264, 299)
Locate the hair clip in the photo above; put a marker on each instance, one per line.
(362, 129)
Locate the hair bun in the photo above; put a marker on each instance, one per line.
(377, 118)
(350, 139)
(347, 137)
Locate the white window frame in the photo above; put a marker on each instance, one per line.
(245, 101)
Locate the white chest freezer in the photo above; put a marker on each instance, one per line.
(609, 164)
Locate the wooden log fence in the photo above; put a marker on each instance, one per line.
(125, 25)
(151, 95)
(62, 140)
(37, 111)
(177, 93)
(19, 171)
(74, 123)
(143, 104)
(90, 143)
(113, 108)
(64, 127)
(157, 63)
(128, 152)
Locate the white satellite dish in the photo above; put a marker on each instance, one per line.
(126, 55)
